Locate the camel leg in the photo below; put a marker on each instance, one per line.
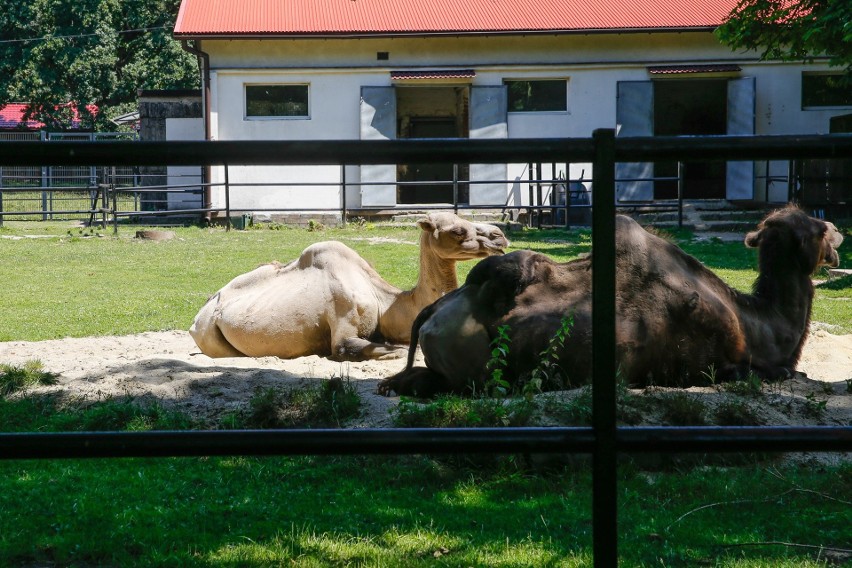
(417, 381)
(358, 349)
(207, 334)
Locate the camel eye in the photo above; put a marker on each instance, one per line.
(459, 231)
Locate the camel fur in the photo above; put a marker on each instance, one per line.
(331, 302)
(677, 323)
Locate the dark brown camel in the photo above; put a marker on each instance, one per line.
(677, 322)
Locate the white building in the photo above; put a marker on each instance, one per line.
(385, 69)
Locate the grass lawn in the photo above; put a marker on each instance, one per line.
(375, 511)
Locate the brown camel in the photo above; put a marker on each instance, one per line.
(677, 323)
(331, 302)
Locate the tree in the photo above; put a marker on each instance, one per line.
(793, 30)
(90, 53)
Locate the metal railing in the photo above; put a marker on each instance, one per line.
(604, 440)
(131, 192)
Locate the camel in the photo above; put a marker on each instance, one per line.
(677, 323)
(330, 302)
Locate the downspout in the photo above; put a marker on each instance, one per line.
(204, 64)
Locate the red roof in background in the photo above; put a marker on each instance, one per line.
(198, 18)
(12, 116)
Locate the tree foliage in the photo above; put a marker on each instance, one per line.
(793, 30)
(90, 53)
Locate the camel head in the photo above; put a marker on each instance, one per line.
(452, 238)
(808, 242)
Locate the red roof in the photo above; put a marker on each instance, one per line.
(12, 116)
(199, 18)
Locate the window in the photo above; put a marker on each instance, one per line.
(276, 101)
(826, 90)
(538, 96)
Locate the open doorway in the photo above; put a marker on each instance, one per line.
(432, 112)
(689, 108)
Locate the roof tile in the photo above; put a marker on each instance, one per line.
(198, 18)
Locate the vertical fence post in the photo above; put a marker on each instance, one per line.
(680, 174)
(605, 484)
(227, 199)
(343, 195)
(456, 189)
(114, 191)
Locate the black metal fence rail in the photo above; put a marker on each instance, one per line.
(604, 440)
(580, 440)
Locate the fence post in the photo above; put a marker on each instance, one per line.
(605, 483)
(227, 199)
(680, 173)
(343, 195)
(456, 189)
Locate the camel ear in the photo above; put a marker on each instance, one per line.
(427, 225)
(752, 239)
(835, 237)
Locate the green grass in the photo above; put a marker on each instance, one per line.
(324, 405)
(377, 511)
(76, 285)
(14, 379)
(403, 512)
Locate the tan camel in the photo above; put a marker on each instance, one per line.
(331, 302)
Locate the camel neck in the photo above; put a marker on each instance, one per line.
(437, 275)
(783, 284)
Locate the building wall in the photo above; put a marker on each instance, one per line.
(335, 71)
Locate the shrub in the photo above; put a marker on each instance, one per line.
(329, 403)
(456, 412)
(15, 379)
(736, 413)
(681, 409)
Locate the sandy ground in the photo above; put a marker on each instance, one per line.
(167, 365)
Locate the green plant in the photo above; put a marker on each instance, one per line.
(497, 385)
(332, 402)
(314, 225)
(814, 407)
(682, 409)
(14, 379)
(736, 413)
(710, 375)
(751, 385)
(458, 412)
(573, 409)
(548, 373)
(329, 403)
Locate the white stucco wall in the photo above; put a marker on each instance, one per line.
(184, 177)
(335, 71)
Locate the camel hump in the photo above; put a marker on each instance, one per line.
(513, 269)
(329, 254)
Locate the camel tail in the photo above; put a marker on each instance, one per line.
(421, 318)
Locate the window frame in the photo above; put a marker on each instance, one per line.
(830, 106)
(253, 117)
(562, 80)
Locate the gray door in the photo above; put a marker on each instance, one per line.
(378, 122)
(488, 119)
(739, 182)
(634, 116)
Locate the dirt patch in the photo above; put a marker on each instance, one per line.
(168, 366)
